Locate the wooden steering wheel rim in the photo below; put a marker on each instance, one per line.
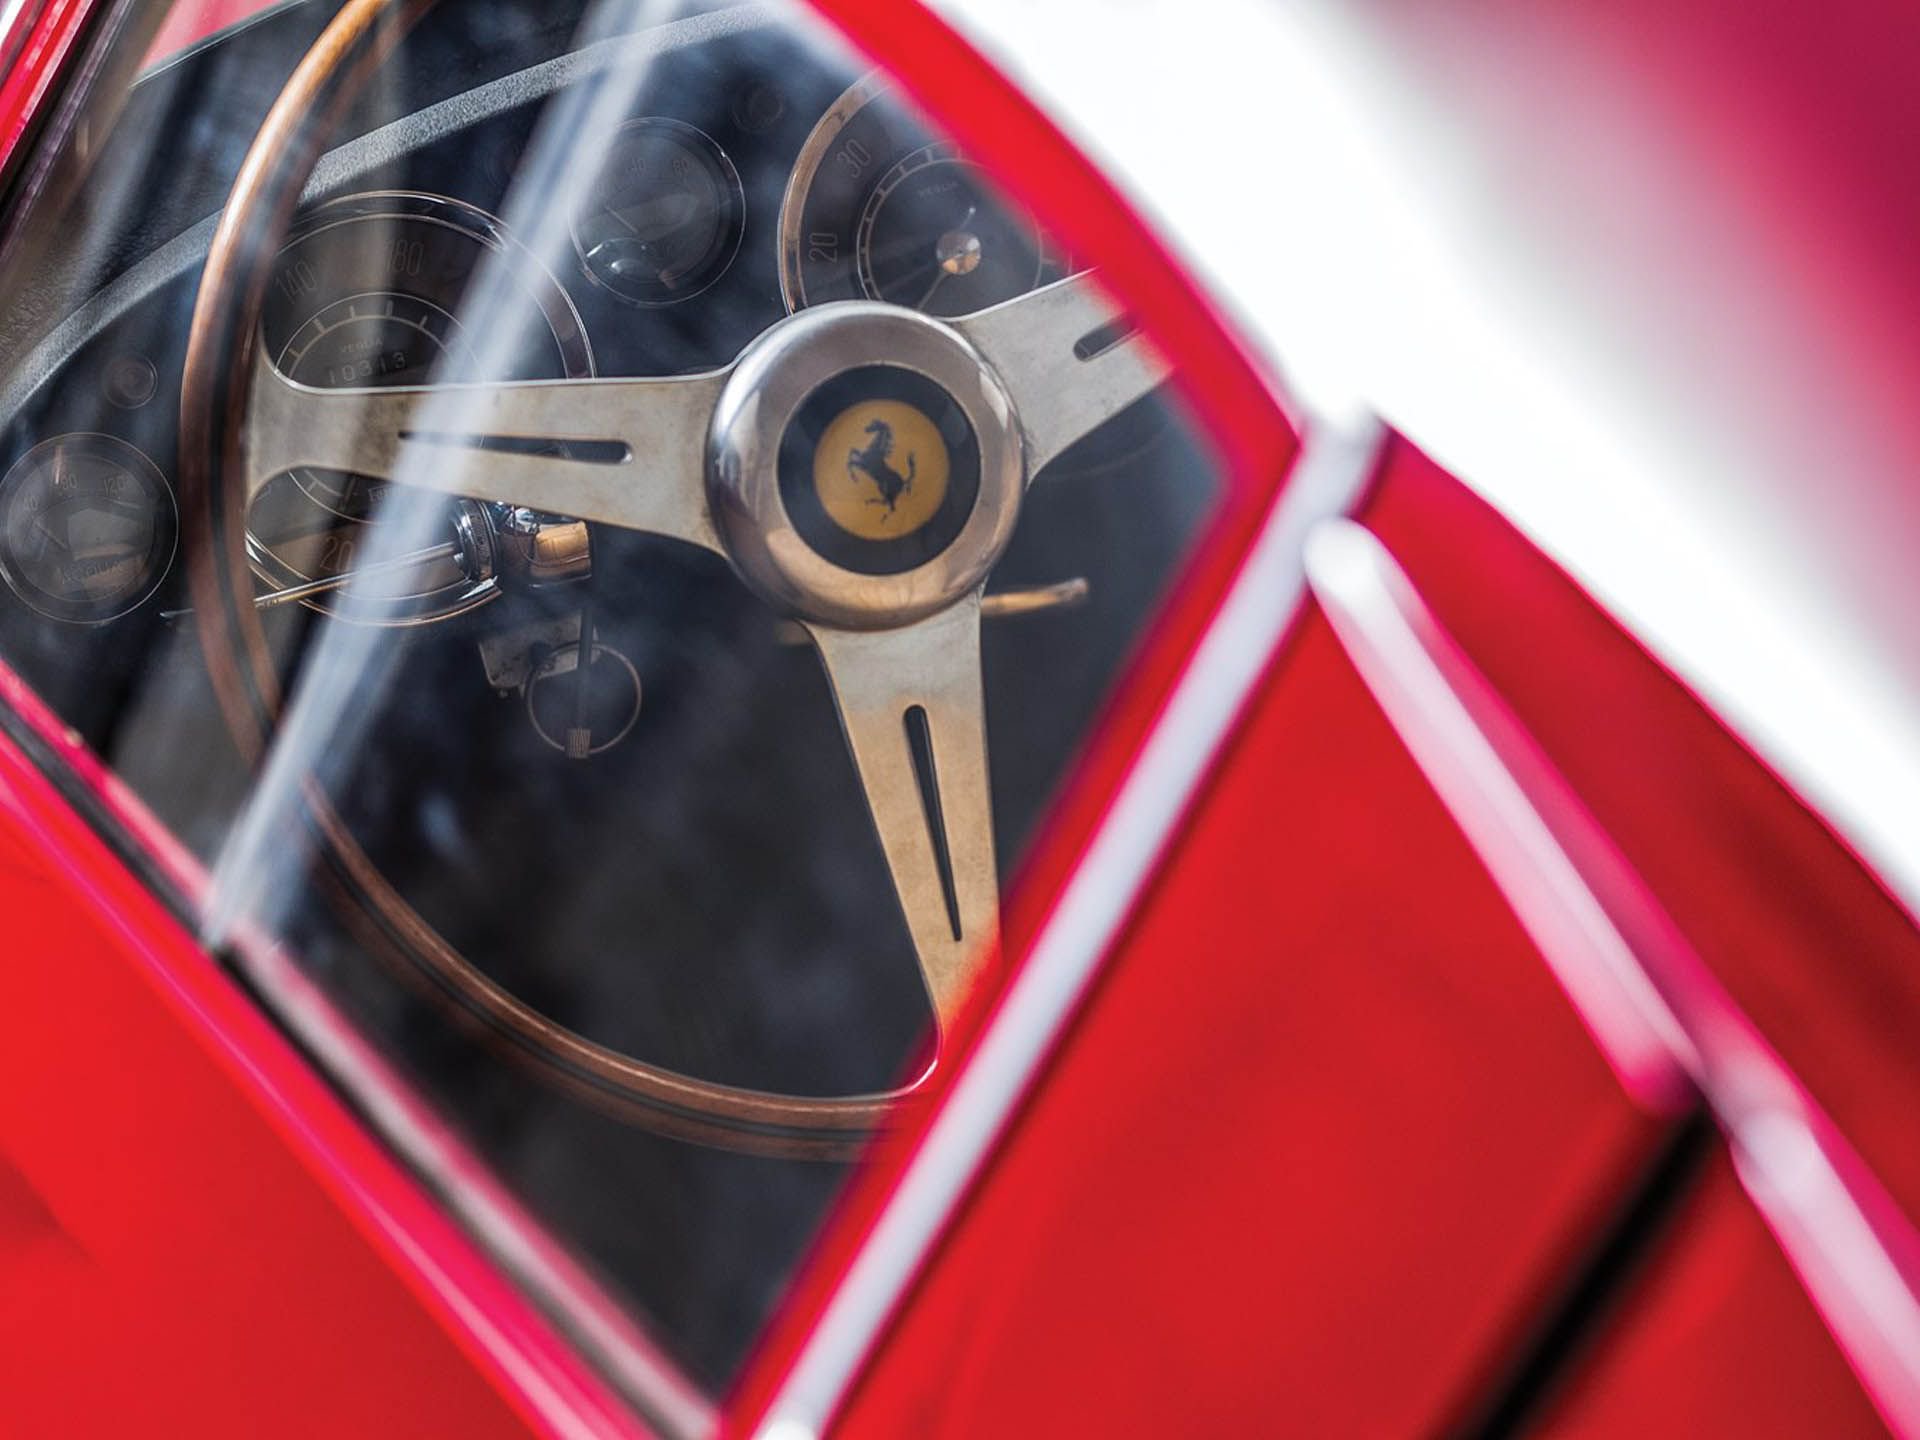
(219, 360)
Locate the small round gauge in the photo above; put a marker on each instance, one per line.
(878, 209)
(663, 218)
(583, 713)
(369, 291)
(933, 238)
(87, 528)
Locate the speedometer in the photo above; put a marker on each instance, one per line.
(369, 291)
(879, 209)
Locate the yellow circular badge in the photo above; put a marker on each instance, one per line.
(880, 469)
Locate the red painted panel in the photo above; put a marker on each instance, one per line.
(1325, 1133)
(1715, 1338)
(173, 1259)
(1811, 947)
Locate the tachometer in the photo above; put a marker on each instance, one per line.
(368, 291)
(879, 209)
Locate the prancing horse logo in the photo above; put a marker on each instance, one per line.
(880, 470)
(875, 460)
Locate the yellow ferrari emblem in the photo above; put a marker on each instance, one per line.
(880, 469)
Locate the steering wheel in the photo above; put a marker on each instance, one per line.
(781, 462)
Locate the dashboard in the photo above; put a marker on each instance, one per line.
(576, 746)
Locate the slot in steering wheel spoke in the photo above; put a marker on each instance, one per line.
(629, 453)
(1070, 358)
(910, 704)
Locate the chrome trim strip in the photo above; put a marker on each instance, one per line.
(1392, 641)
(1663, 1018)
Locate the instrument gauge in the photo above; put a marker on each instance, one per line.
(878, 208)
(662, 219)
(933, 237)
(370, 291)
(87, 528)
(381, 338)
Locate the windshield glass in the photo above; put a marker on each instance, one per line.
(606, 550)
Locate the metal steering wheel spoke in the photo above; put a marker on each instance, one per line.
(1070, 358)
(910, 703)
(630, 453)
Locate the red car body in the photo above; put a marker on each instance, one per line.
(1336, 1137)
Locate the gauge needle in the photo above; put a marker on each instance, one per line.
(413, 559)
(659, 214)
(56, 482)
(40, 524)
(926, 295)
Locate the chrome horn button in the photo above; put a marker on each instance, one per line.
(864, 466)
